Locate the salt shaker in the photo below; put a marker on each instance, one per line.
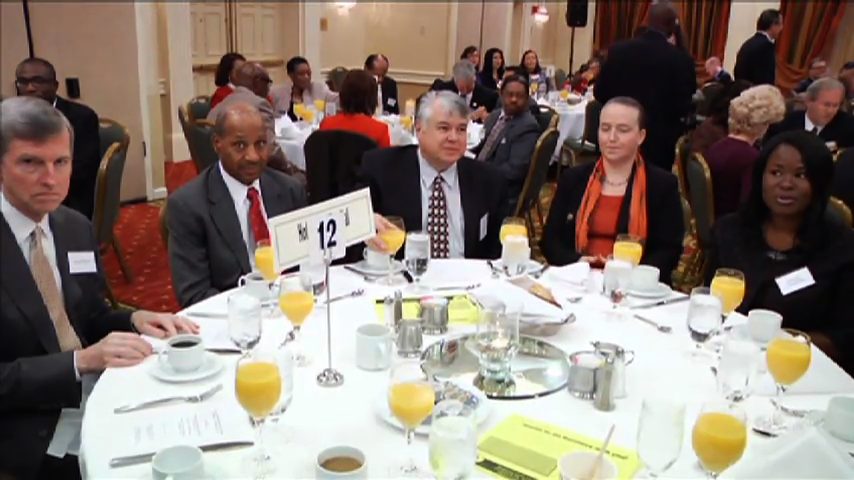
(398, 308)
(388, 312)
(603, 399)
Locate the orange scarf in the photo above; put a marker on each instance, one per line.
(637, 209)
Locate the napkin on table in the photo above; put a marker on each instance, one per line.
(285, 128)
(575, 274)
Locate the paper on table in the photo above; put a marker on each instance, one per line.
(214, 333)
(152, 430)
(461, 309)
(506, 451)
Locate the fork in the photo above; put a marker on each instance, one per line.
(456, 287)
(198, 398)
(355, 293)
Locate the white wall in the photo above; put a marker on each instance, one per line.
(742, 25)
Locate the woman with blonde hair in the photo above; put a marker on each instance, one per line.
(731, 159)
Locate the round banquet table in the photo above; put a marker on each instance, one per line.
(321, 417)
(570, 123)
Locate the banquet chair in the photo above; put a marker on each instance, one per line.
(198, 108)
(538, 170)
(115, 141)
(164, 227)
(200, 140)
(699, 182)
(837, 210)
(547, 117)
(683, 149)
(332, 162)
(584, 149)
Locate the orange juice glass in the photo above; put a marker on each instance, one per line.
(628, 248)
(788, 358)
(719, 437)
(410, 399)
(296, 301)
(257, 387)
(264, 261)
(394, 237)
(728, 285)
(513, 226)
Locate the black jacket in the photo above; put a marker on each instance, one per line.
(756, 61)
(825, 307)
(665, 229)
(843, 178)
(839, 130)
(391, 103)
(87, 155)
(480, 97)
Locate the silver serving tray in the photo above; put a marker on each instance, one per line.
(538, 369)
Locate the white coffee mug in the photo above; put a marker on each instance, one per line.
(184, 353)
(333, 452)
(515, 254)
(839, 419)
(645, 278)
(763, 325)
(373, 346)
(376, 259)
(181, 462)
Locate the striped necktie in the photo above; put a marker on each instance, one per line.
(47, 285)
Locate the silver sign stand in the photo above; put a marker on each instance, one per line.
(329, 377)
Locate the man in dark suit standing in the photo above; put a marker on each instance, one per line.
(216, 220)
(823, 115)
(756, 61)
(460, 201)
(56, 327)
(36, 77)
(659, 76)
(716, 71)
(480, 99)
(377, 65)
(511, 134)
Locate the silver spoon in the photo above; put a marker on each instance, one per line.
(660, 328)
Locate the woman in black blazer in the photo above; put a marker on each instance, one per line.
(783, 229)
(493, 69)
(646, 192)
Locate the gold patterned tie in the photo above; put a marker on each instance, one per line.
(46, 282)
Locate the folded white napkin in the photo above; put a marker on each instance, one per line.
(575, 274)
(532, 307)
(797, 455)
(285, 128)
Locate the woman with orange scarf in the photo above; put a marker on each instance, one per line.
(617, 194)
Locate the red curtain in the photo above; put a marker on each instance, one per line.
(705, 24)
(809, 30)
(617, 20)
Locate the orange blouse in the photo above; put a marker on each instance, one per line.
(359, 123)
(603, 226)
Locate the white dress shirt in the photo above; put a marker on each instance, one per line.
(239, 196)
(22, 227)
(768, 36)
(808, 125)
(451, 186)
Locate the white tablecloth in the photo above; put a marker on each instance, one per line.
(323, 417)
(571, 122)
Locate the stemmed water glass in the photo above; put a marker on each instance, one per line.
(285, 361)
(393, 239)
(296, 302)
(244, 320)
(719, 437)
(789, 356)
(737, 368)
(617, 277)
(258, 386)
(417, 257)
(410, 399)
(661, 428)
(496, 340)
(704, 317)
(453, 440)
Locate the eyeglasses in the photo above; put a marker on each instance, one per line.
(22, 82)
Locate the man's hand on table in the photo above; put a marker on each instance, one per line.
(161, 325)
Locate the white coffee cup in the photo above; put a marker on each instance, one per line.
(181, 462)
(644, 278)
(376, 259)
(184, 353)
(839, 419)
(763, 325)
(354, 453)
(515, 254)
(373, 346)
(577, 466)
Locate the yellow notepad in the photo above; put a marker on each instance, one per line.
(461, 309)
(521, 448)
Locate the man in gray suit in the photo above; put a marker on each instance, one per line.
(217, 218)
(511, 136)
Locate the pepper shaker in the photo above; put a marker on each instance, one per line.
(398, 308)
(603, 399)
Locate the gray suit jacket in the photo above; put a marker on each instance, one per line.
(207, 253)
(512, 155)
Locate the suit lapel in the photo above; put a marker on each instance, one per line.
(224, 217)
(275, 200)
(468, 198)
(18, 282)
(410, 190)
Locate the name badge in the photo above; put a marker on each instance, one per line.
(503, 141)
(392, 102)
(82, 262)
(794, 281)
(484, 223)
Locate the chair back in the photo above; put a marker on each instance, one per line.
(112, 132)
(591, 122)
(332, 162)
(108, 188)
(198, 108)
(837, 210)
(560, 78)
(709, 91)
(200, 140)
(546, 116)
(164, 227)
(537, 171)
(699, 181)
(683, 150)
(335, 78)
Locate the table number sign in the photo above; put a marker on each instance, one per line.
(333, 225)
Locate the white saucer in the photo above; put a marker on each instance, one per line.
(371, 271)
(212, 472)
(481, 413)
(163, 372)
(532, 267)
(660, 291)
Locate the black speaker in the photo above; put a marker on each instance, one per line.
(72, 87)
(576, 13)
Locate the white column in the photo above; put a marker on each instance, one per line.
(310, 31)
(149, 100)
(179, 33)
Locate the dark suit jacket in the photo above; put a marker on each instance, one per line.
(722, 77)
(824, 307)
(394, 178)
(512, 154)
(843, 178)
(839, 130)
(87, 155)
(207, 253)
(480, 97)
(391, 103)
(756, 61)
(487, 80)
(37, 380)
(665, 229)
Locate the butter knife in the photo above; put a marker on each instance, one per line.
(146, 457)
(204, 315)
(661, 302)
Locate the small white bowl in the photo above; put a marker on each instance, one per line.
(576, 465)
(839, 419)
(342, 451)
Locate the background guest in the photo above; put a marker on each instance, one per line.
(783, 229)
(620, 193)
(715, 126)
(357, 103)
(586, 76)
(823, 116)
(377, 65)
(817, 69)
(223, 80)
(472, 54)
(480, 99)
(731, 159)
(493, 69)
(756, 61)
(301, 89)
(716, 71)
(540, 82)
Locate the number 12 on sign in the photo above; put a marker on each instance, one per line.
(325, 233)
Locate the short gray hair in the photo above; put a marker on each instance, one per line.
(449, 101)
(464, 70)
(31, 119)
(235, 109)
(823, 84)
